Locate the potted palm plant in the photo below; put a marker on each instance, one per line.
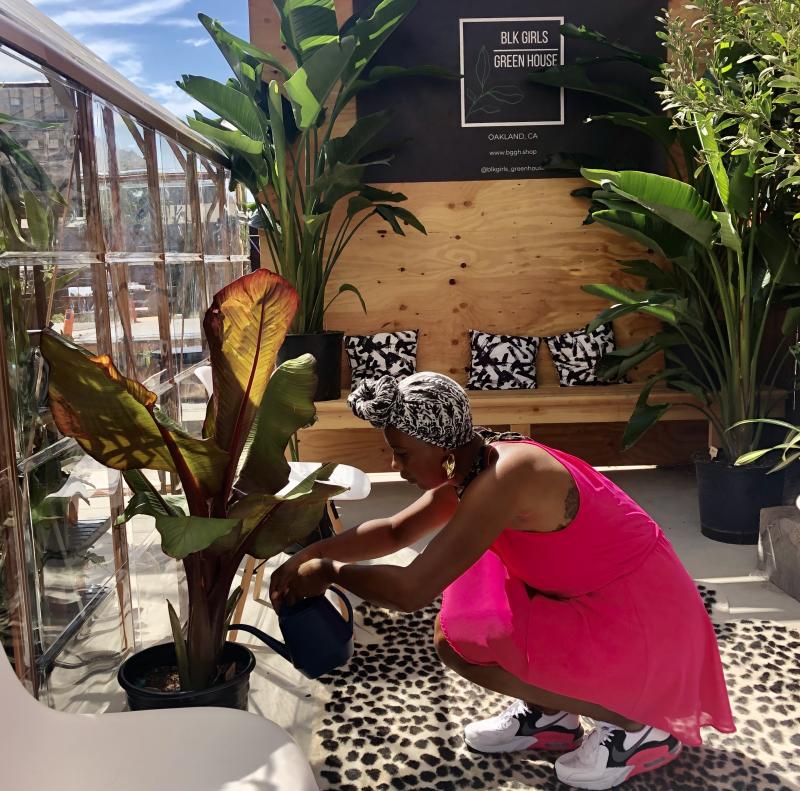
(231, 476)
(278, 135)
(727, 264)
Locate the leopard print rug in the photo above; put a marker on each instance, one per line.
(394, 719)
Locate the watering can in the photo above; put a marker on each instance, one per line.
(317, 638)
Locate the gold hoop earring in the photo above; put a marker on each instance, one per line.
(449, 465)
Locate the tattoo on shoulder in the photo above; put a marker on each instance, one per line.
(572, 502)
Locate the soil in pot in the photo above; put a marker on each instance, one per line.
(150, 680)
(731, 498)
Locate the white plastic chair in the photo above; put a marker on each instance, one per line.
(202, 749)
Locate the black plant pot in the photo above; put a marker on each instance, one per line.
(731, 499)
(327, 350)
(231, 694)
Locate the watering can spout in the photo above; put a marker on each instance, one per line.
(318, 639)
(276, 645)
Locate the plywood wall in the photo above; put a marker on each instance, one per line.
(501, 256)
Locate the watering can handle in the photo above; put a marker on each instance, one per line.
(346, 601)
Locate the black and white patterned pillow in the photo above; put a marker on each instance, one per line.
(373, 356)
(577, 353)
(502, 362)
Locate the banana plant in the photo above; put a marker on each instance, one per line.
(233, 477)
(278, 135)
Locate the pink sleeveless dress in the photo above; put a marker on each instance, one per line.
(613, 618)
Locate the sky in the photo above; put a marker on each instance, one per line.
(153, 42)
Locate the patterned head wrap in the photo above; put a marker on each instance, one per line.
(427, 406)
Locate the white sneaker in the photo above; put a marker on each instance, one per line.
(609, 756)
(523, 728)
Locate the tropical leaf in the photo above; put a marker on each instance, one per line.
(662, 305)
(230, 104)
(650, 231)
(183, 535)
(113, 419)
(298, 514)
(181, 655)
(310, 86)
(38, 221)
(570, 30)
(714, 157)
(380, 73)
(307, 25)
(352, 146)
(239, 52)
(675, 202)
(348, 287)
(656, 127)
(371, 33)
(245, 326)
(287, 406)
(574, 78)
(728, 234)
(147, 501)
(227, 139)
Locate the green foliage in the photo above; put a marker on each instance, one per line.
(732, 251)
(231, 477)
(278, 137)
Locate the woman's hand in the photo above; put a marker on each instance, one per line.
(299, 579)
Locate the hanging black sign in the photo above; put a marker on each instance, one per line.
(494, 122)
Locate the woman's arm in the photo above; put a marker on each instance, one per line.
(373, 539)
(481, 517)
(380, 537)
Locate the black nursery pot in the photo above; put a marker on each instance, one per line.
(327, 350)
(731, 499)
(231, 694)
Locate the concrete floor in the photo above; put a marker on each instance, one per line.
(282, 694)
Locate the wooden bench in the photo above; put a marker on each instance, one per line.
(543, 413)
(521, 409)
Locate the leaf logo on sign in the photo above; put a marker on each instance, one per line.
(484, 97)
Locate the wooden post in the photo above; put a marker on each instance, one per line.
(193, 191)
(119, 279)
(12, 528)
(160, 267)
(94, 223)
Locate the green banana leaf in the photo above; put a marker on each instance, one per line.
(146, 501)
(183, 535)
(297, 515)
(287, 406)
(245, 326)
(114, 419)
